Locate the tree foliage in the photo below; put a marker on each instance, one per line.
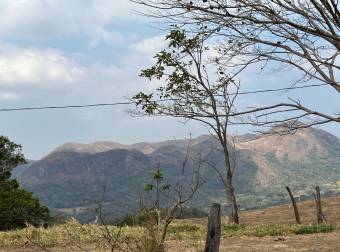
(17, 206)
(299, 36)
(10, 156)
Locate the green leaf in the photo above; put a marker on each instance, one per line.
(157, 175)
(148, 187)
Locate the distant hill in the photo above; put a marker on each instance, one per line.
(21, 168)
(70, 180)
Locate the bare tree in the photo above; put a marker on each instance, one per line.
(189, 92)
(112, 239)
(173, 196)
(182, 194)
(298, 35)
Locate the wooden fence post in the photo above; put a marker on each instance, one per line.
(319, 214)
(296, 211)
(212, 243)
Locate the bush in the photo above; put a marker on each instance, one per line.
(315, 229)
(17, 206)
(232, 228)
(182, 228)
(139, 219)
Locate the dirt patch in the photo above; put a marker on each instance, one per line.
(314, 242)
(284, 214)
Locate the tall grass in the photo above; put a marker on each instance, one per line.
(73, 235)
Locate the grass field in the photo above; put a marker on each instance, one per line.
(272, 229)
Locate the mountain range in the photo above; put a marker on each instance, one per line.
(75, 178)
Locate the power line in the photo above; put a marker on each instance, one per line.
(133, 103)
(281, 89)
(67, 106)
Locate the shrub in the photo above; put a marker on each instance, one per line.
(315, 229)
(17, 206)
(139, 219)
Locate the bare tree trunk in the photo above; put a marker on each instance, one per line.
(158, 212)
(234, 217)
(168, 220)
(296, 211)
(158, 207)
(319, 214)
(212, 243)
(165, 230)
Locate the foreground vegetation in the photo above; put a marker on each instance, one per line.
(98, 237)
(261, 229)
(17, 206)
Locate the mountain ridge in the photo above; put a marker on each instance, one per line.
(74, 172)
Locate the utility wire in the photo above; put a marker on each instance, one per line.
(280, 89)
(133, 103)
(67, 106)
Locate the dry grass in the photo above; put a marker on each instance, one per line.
(259, 231)
(313, 242)
(70, 235)
(284, 214)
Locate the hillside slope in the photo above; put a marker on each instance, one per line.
(72, 179)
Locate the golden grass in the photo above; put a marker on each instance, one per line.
(275, 221)
(73, 235)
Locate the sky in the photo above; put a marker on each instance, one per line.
(58, 52)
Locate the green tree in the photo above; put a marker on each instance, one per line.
(195, 88)
(17, 206)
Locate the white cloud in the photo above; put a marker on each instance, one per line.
(51, 69)
(149, 46)
(42, 19)
(32, 67)
(99, 34)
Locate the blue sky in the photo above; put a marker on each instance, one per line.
(57, 52)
